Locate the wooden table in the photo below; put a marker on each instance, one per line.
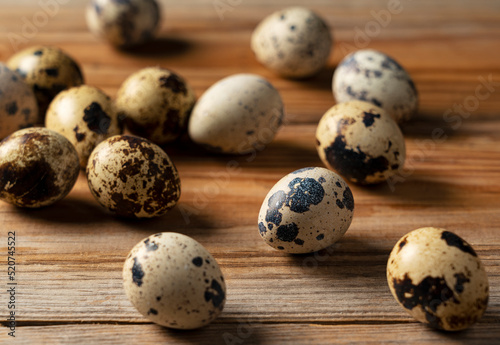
(69, 256)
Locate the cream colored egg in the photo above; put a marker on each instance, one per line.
(438, 279)
(85, 116)
(37, 167)
(361, 142)
(306, 211)
(48, 70)
(237, 115)
(371, 76)
(294, 42)
(174, 281)
(124, 23)
(156, 104)
(133, 177)
(18, 107)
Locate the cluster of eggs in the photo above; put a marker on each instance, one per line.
(130, 175)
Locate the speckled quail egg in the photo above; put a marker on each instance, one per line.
(174, 281)
(37, 167)
(18, 107)
(48, 71)
(237, 115)
(133, 177)
(361, 142)
(306, 211)
(438, 278)
(85, 116)
(294, 42)
(123, 23)
(371, 76)
(156, 104)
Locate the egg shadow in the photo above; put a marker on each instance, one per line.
(218, 333)
(320, 81)
(426, 125)
(69, 210)
(349, 257)
(414, 188)
(159, 47)
(183, 218)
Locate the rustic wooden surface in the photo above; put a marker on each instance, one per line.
(69, 256)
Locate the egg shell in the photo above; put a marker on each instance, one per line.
(306, 211)
(361, 142)
(123, 23)
(174, 281)
(438, 278)
(133, 177)
(237, 115)
(85, 116)
(37, 167)
(48, 71)
(156, 104)
(372, 76)
(294, 42)
(18, 107)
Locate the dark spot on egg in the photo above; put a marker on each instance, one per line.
(11, 108)
(79, 136)
(460, 280)
(369, 118)
(275, 203)
(215, 294)
(320, 237)
(38, 53)
(354, 164)
(152, 311)
(150, 246)
(158, 298)
(52, 72)
(137, 272)
(348, 199)
(96, 118)
(298, 241)
(455, 241)
(287, 233)
(124, 207)
(175, 83)
(402, 244)
(262, 229)
(304, 192)
(197, 261)
(340, 204)
(428, 295)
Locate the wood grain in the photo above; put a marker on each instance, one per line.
(70, 255)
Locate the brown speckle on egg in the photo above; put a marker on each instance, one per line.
(156, 104)
(48, 71)
(124, 23)
(37, 167)
(141, 183)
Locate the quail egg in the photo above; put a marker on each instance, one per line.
(156, 104)
(48, 71)
(237, 115)
(18, 107)
(371, 76)
(123, 23)
(361, 142)
(438, 278)
(85, 116)
(306, 211)
(133, 177)
(174, 281)
(37, 167)
(294, 42)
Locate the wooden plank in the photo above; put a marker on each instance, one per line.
(70, 255)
